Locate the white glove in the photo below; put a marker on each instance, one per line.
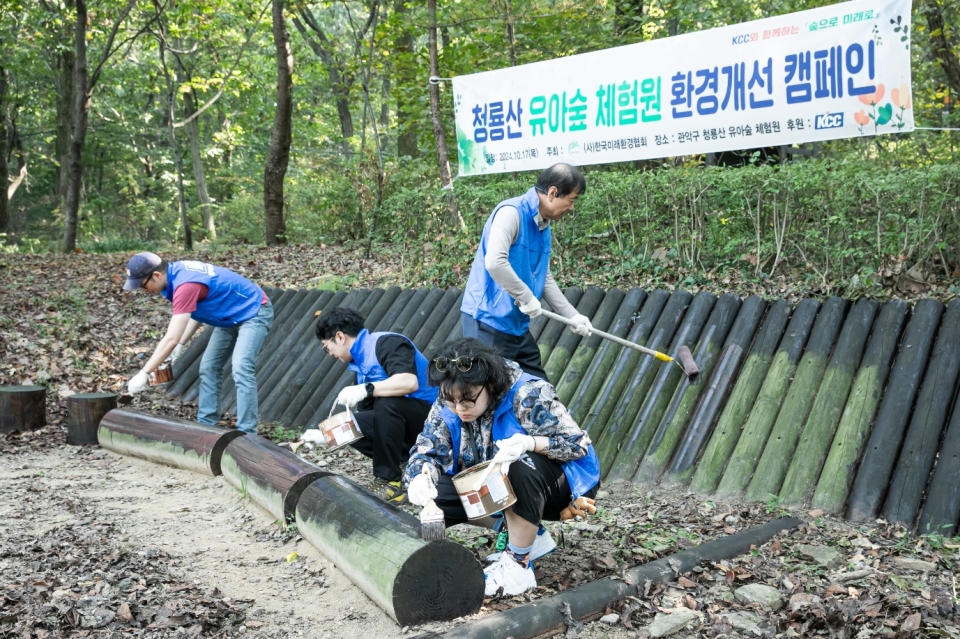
(138, 383)
(583, 327)
(313, 436)
(352, 395)
(175, 355)
(532, 308)
(511, 449)
(421, 490)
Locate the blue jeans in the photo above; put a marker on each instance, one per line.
(244, 341)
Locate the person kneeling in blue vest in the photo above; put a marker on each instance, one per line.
(392, 395)
(201, 293)
(489, 409)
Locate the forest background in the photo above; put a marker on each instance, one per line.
(207, 124)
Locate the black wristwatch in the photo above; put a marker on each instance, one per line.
(369, 388)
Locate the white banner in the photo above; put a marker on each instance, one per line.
(835, 72)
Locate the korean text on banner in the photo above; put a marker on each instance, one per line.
(834, 72)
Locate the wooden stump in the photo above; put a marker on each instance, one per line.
(272, 477)
(84, 412)
(22, 408)
(378, 547)
(165, 440)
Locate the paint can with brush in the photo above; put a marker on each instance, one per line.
(340, 430)
(162, 375)
(484, 490)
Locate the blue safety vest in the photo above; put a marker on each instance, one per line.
(231, 299)
(488, 302)
(368, 369)
(582, 474)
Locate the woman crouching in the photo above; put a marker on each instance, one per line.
(488, 409)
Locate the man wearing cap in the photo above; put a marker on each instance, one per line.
(237, 309)
(511, 270)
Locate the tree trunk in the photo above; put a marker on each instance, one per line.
(81, 103)
(181, 192)
(453, 214)
(406, 125)
(193, 131)
(64, 84)
(84, 412)
(340, 82)
(511, 34)
(942, 45)
(22, 408)
(278, 154)
(4, 145)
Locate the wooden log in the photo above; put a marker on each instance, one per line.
(568, 342)
(600, 364)
(570, 378)
(553, 329)
(715, 391)
(929, 417)
(668, 375)
(825, 414)
(941, 509)
(450, 325)
(620, 398)
(385, 323)
(437, 316)
(378, 547)
(374, 318)
(674, 420)
(84, 412)
(773, 464)
(187, 369)
(545, 617)
(407, 312)
(726, 434)
(880, 455)
(836, 478)
(423, 313)
(165, 440)
(22, 408)
(764, 413)
(272, 477)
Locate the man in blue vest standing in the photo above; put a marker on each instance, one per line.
(392, 395)
(237, 309)
(511, 270)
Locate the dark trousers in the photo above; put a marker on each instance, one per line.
(522, 349)
(538, 482)
(390, 430)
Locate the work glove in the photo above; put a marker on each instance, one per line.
(580, 507)
(532, 308)
(138, 383)
(313, 436)
(583, 327)
(421, 489)
(175, 355)
(352, 395)
(511, 449)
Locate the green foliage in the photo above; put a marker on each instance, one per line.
(276, 432)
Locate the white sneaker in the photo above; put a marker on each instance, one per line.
(507, 577)
(542, 545)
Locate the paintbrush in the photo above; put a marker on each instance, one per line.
(432, 524)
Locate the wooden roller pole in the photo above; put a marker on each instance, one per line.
(22, 408)
(165, 440)
(84, 412)
(378, 547)
(271, 476)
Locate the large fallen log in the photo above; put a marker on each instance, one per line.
(378, 547)
(22, 408)
(165, 440)
(273, 477)
(591, 600)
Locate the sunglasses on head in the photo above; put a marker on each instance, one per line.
(463, 363)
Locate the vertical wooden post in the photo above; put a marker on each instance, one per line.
(22, 408)
(84, 412)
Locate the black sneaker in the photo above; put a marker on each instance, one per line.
(391, 491)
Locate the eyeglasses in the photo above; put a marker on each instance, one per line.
(463, 364)
(143, 284)
(466, 403)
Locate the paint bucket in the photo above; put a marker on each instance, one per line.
(494, 495)
(162, 375)
(340, 430)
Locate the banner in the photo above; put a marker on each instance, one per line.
(834, 72)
